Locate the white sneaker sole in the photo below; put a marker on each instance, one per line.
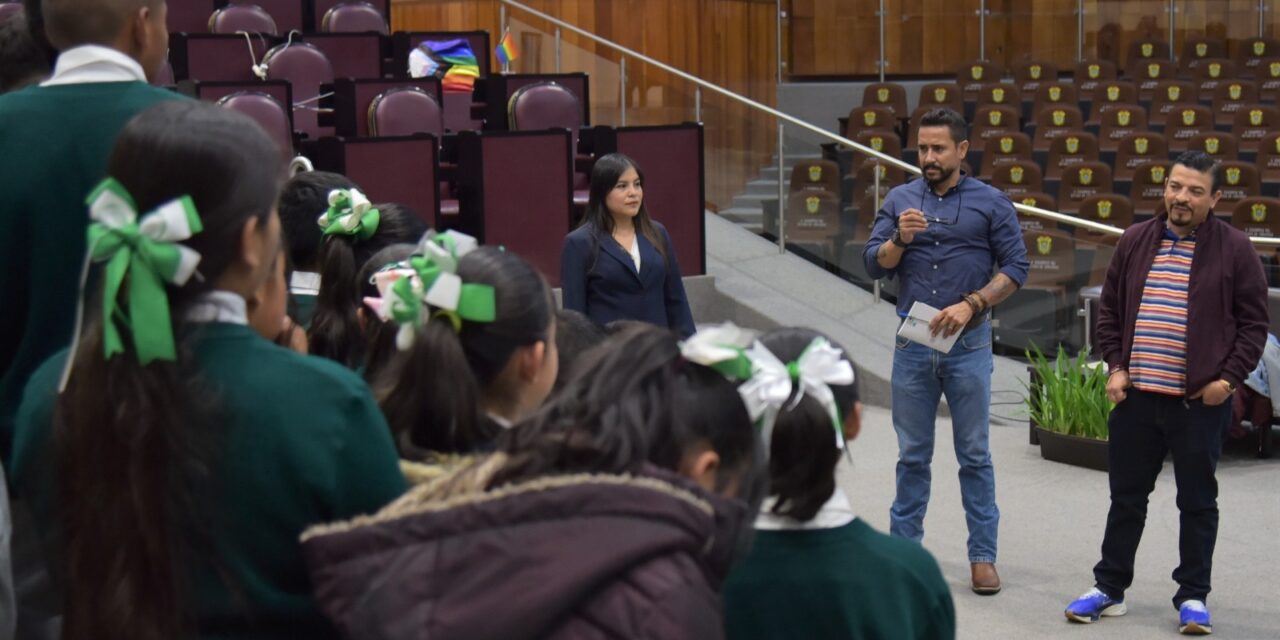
(1112, 611)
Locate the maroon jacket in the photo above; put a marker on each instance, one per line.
(565, 557)
(1226, 302)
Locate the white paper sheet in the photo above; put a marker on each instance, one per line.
(915, 327)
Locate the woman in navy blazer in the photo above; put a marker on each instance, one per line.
(620, 265)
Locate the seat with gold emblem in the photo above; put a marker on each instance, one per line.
(813, 222)
(1239, 181)
(1037, 312)
(1018, 177)
(1053, 121)
(1031, 74)
(1268, 78)
(865, 118)
(1197, 50)
(890, 95)
(1268, 161)
(1002, 149)
(1108, 96)
(1253, 122)
(886, 142)
(1168, 97)
(1250, 52)
(1213, 72)
(816, 175)
(993, 120)
(1088, 74)
(1222, 146)
(1142, 50)
(1105, 208)
(1070, 148)
(1148, 74)
(1082, 181)
(1039, 200)
(1137, 148)
(1230, 97)
(940, 94)
(1186, 123)
(1118, 123)
(1004, 94)
(1147, 190)
(972, 75)
(1259, 217)
(864, 179)
(1055, 93)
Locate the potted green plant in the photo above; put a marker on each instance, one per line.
(1067, 401)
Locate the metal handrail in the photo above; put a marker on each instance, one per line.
(1034, 211)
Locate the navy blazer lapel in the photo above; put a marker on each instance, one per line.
(611, 247)
(651, 261)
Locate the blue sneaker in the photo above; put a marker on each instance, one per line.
(1095, 604)
(1193, 619)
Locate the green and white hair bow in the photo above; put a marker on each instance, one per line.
(772, 382)
(350, 214)
(145, 250)
(431, 279)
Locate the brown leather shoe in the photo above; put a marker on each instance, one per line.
(984, 580)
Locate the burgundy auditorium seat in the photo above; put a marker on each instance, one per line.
(306, 68)
(353, 17)
(405, 111)
(549, 105)
(242, 17)
(353, 55)
(268, 113)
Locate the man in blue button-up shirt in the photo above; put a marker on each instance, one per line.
(941, 236)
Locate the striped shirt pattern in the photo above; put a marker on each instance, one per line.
(1158, 362)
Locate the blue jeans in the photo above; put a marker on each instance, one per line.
(920, 377)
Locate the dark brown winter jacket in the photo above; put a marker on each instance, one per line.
(578, 556)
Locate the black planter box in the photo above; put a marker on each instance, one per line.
(1081, 452)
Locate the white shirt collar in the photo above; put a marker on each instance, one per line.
(94, 63)
(219, 306)
(304, 283)
(501, 421)
(836, 512)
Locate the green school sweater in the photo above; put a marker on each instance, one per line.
(303, 443)
(54, 147)
(851, 583)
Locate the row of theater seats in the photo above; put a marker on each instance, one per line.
(504, 157)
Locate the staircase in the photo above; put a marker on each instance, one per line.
(747, 210)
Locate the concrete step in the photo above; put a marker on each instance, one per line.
(762, 187)
(771, 173)
(744, 216)
(752, 200)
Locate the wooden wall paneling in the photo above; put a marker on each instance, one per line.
(1033, 29)
(1223, 19)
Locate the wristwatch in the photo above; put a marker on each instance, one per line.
(1231, 388)
(896, 238)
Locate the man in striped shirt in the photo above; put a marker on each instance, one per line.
(1182, 322)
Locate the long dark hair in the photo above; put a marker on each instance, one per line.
(606, 172)
(635, 401)
(802, 454)
(431, 392)
(335, 328)
(132, 443)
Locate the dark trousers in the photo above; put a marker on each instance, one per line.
(1144, 428)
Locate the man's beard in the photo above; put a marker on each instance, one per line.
(943, 175)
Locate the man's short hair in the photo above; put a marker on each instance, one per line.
(1204, 163)
(945, 117)
(22, 61)
(72, 23)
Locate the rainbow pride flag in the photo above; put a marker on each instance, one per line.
(453, 61)
(507, 50)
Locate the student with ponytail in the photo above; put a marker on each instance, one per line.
(171, 474)
(354, 229)
(614, 511)
(475, 346)
(816, 570)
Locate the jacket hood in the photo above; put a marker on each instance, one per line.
(452, 560)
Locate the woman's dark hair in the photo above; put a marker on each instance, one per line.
(133, 443)
(304, 197)
(637, 401)
(22, 60)
(576, 334)
(431, 392)
(803, 454)
(379, 336)
(335, 329)
(605, 175)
